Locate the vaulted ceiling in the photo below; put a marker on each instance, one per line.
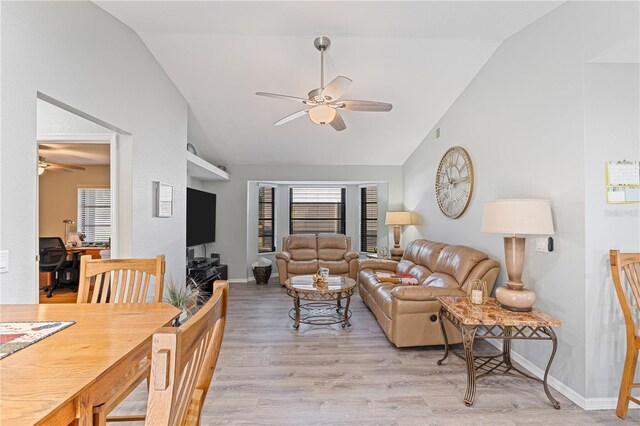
(419, 56)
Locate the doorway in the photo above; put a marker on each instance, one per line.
(77, 196)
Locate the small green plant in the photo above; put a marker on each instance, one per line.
(186, 295)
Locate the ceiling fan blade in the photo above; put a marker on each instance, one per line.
(334, 90)
(285, 97)
(338, 123)
(364, 106)
(53, 166)
(291, 117)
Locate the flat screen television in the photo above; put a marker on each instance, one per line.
(201, 217)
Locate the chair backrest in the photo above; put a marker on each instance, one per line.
(120, 280)
(53, 253)
(182, 363)
(625, 268)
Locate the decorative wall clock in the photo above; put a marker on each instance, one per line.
(454, 182)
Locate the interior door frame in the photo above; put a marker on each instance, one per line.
(110, 138)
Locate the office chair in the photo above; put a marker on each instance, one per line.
(53, 258)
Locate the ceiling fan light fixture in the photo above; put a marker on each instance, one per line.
(40, 169)
(322, 114)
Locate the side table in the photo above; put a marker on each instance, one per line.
(490, 321)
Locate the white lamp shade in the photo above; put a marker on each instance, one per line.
(322, 114)
(398, 218)
(518, 217)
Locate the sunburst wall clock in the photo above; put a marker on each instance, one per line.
(454, 182)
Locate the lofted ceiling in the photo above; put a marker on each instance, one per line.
(419, 56)
(75, 153)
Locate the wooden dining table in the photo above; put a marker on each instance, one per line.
(58, 380)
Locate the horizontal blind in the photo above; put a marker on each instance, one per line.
(94, 214)
(315, 210)
(266, 217)
(368, 219)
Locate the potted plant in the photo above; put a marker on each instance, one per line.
(186, 295)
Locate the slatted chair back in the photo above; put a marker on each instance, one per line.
(120, 280)
(182, 363)
(625, 270)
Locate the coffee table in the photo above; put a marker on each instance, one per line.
(320, 308)
(490, 321)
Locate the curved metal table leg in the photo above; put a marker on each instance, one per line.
(468, 335)
(296, 305)
(346, 322)
(554, 339)
(444, 337)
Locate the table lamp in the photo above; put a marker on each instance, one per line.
(516, 217)
(397, 219)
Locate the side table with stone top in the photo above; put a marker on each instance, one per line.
(490, 321)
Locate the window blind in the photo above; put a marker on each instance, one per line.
(94, 214)
(314, 210)
(368, 219)
(266, 217)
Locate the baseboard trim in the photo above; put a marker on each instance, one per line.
(556, 384)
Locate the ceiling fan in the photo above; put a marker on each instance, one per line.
(323, 104)
(43, 165)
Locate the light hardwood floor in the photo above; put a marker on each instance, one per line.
(270, 374)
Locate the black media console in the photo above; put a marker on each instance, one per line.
(206, 270)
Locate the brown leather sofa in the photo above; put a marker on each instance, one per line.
(409, 314)
(304, 254)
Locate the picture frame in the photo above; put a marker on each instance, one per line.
(163, 199)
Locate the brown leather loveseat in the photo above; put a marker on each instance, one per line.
(409, 314)
(304, 254)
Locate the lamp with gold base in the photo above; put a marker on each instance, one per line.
(397, 219)
(516, 217)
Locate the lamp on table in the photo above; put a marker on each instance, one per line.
(516, 217)
(397, 219)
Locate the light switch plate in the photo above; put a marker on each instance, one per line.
(4, 261)
(542, 245)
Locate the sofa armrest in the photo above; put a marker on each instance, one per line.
(284, 255)
(350, 255)
(388, 265)
(420, 292)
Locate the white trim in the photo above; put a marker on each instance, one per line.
(237, 280)
(582, 402)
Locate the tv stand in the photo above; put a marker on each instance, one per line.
(206, 272)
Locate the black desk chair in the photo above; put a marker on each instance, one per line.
(53, 258)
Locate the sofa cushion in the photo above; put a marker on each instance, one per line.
(331, 254)
(332, 246)
(382, 296)
(302, 241)
(429, 253)
(420, 273)
(335, 267)
(438, 279)
(303, 267)
(458, 261)
(405, 266)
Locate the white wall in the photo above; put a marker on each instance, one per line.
(232, 206)
(78, 54)
(522, 121)
(612, 132)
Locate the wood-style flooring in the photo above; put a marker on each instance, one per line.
(270, 374)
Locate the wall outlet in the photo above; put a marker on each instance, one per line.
(544, 245)
(4, 261)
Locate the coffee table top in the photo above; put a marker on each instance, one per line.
(492, 314)
(304, 284)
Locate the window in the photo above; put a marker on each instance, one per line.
(316, 210)
(94, 214)
(266, 215)
(368, 219)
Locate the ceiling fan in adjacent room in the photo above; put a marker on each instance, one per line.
(43, 165)
(324, 104)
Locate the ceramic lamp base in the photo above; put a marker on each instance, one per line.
(515, 300)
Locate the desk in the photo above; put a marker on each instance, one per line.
(94, 252)
(490, 321)
(67, 374)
